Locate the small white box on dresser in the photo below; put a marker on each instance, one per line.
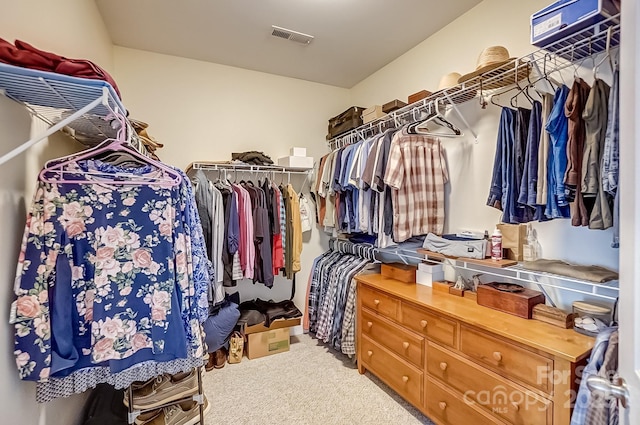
(429, 273)
(298, 151)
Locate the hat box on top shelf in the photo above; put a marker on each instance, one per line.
(563, 18)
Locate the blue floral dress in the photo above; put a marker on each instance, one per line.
(109, 276)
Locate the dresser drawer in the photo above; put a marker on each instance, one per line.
(402, 342)
(380, 302)
(448, 408)
(405, 379)
(496, 394)
(434, 327)
(507, 359)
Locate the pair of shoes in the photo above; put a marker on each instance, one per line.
(186, 413)
(164, 389)
(220, 358)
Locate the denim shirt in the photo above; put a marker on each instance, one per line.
(557, 127)
(501, 169)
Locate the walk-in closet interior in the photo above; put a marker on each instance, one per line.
(285, 212)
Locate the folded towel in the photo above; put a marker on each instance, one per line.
(591, 273)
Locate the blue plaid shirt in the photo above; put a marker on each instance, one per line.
(595, 362)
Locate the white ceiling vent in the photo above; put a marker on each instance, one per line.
(291, 35)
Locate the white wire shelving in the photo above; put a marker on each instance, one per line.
(222, 166)
(573, 50)
(82, 108)
(226, 168)
(606, 291)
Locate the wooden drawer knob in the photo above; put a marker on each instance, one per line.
(369, 324)
(405, 345)
(369, 353)
(405, 379)
(442, 405)
(423, 323)
(497, 355)
(443, 366)
(515, 406)
(376, 302)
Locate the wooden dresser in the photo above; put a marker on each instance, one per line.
(461, 363)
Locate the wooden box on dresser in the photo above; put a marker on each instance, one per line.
(461, 363)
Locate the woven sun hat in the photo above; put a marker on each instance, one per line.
(490, 58)
(448, 81)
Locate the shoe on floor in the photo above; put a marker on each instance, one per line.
(220, 358)
(210, 363)
(187, 413)
(165, 389)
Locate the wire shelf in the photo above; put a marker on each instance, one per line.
(607, 290)
(80, 107)
(222, 166)
(572, 50)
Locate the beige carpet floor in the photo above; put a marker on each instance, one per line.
(310, 384)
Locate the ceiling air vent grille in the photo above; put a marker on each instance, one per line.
(291, 35)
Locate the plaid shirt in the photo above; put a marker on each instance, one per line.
(417, 173)
(331, 299)
(314, 291)
(341, 302)
(327, 296)
(348, 342)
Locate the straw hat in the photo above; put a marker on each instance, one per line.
(448, 81)
(490, 58)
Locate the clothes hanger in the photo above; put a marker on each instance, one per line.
(578, 65)
(532, 85)
(520, 91)
(606, 56)
(554, 85)
(438, 118)
(54, 171)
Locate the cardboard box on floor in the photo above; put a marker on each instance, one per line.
(263, 341)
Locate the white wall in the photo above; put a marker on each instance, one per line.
(204, 112)
(80, 33)
(456, 48)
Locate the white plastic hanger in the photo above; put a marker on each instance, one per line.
(56, 171)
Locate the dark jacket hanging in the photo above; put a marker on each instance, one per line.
(575, 149)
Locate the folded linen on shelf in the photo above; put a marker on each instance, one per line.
(591, 273)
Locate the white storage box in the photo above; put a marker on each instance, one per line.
(296, 161)
(424, 278)
(430, 268)
(298, 152)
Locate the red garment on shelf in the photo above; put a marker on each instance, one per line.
(27, 56)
